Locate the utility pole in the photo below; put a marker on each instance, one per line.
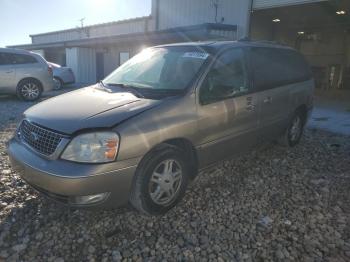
(82, 30)
(82, 22)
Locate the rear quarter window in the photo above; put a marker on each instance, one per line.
(6, 59)
(273, 67)
(20, 59)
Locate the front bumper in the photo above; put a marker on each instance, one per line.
(64, 181)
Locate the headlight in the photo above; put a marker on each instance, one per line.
(99, 147)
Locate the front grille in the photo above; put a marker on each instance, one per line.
(42, 140)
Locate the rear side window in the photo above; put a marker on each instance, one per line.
(274, 67)
(6, 59)
(24, 59)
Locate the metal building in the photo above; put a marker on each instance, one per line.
(318, 28)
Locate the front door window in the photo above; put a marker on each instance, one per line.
(226, 79)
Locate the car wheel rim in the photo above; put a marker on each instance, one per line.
(295, 129)
(165, 182)
(57, 83)
(30, 91)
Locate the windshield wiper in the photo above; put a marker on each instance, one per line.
(104, 86)
(133, 88)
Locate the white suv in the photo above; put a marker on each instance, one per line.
(24, 73)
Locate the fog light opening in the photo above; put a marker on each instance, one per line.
(90, 199)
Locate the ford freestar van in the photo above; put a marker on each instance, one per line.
(141, 135)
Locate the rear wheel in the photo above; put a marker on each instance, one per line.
(294, 131)
(161, 181)
(29, 90)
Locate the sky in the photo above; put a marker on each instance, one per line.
(21, 18)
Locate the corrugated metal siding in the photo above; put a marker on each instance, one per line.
(56, 37)
(264, 4)
(111, 57)
(118, 29)
(87, 65)
(137, 26)
(72, 60)
(83, 63)
(184, 13)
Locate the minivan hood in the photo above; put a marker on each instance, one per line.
(87, 108)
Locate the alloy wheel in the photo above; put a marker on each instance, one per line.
(165, 182)
(295, 129)
(30, 91)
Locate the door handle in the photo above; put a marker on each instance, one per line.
(268, 100)
(250, 107)
(9, 72)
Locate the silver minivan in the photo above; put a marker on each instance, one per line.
(142, 134)
(24, 74)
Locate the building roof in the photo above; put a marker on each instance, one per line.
(96, 25)
(186, 33)
(14, 50)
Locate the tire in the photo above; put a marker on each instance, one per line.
(152, 198)
(295, 130)
(29, 90)
(58, 83)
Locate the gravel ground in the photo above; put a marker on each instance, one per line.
(272, 204)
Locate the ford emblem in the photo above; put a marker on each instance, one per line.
(34, 136)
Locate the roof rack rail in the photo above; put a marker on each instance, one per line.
(271, 42)
(247, 39)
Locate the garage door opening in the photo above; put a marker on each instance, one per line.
(321, 31)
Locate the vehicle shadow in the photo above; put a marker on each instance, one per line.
(7, 98)
(24, 219)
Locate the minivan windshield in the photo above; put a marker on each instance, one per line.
(160, 69)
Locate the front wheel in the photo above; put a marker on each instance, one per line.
(294, 131)
(160, 182)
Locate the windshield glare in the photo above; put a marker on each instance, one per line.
(160, 69)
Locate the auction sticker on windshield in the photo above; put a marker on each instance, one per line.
(198, 55)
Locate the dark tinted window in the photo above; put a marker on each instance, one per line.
(227, 78)
(24, 59)
(6, 59)
(274, 67)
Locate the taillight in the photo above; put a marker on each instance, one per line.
(49, 69)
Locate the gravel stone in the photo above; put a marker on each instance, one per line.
(265, 221)
(39, 236)
(270, 204)
(91, 249)
(279, 254)
(4, 254)
(20, 247)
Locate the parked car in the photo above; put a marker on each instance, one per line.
(142, 134)
(62, 75)
(24, 74)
